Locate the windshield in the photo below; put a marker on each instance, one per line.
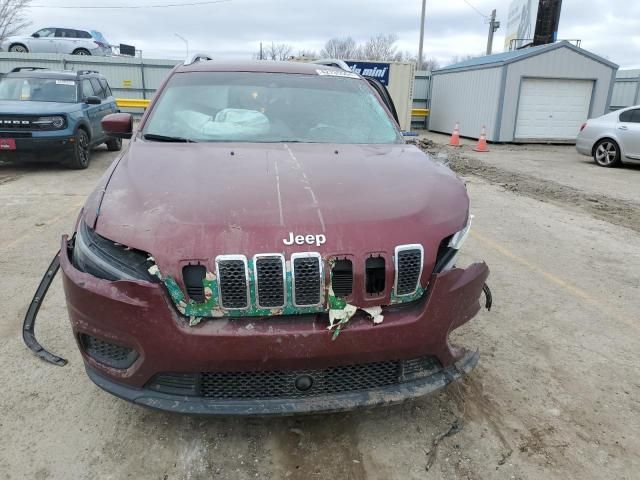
(38, 90)
(270, 107)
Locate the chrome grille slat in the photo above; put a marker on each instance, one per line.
(307, 279)
(233, 284)
(409, 262)
(270, 280)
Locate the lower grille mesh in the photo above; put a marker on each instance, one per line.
(280, 384)
(116, 356)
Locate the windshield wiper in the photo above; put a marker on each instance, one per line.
(166, 138)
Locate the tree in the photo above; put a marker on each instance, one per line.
(462, 58)
(343, 48)
(13, 17)
(275, 51)
(381, 47)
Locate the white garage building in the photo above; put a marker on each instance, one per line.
(538, 94)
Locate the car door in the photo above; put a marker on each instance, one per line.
(105, 108)
(93, 111)
(628, 130)
(43, 41)
(384, 95)
(66, 40)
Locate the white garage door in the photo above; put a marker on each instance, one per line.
(552, 109)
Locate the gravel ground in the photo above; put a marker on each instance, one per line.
(556, 393)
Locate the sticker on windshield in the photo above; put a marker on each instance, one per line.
(65, 82)
(337, 73)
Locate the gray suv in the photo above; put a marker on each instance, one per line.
(59, 40)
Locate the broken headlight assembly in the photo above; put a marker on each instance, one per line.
(108, 260)
(450, 247)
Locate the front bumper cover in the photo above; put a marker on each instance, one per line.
(288, 406)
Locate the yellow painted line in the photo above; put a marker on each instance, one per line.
(568, 287)
(133, 102)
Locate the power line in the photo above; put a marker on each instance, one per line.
(129, 7)
(477, 11)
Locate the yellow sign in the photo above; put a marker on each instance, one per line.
(127, 83)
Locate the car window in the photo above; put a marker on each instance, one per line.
(105, 87)
(97, 88)
(87, 89)
(46, 32)
(630, 116)
(65, 33)
(271, 107)
(83, 34)
(38, 89)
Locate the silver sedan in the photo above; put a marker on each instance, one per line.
(613, 138)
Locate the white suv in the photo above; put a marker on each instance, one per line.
(59, 40)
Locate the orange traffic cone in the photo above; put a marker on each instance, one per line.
(455, 136)
(482, 142)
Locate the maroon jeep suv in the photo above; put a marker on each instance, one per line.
(267, 243)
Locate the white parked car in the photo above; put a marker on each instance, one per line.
(59, 40)
(613, 138)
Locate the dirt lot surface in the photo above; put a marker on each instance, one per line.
(556, 393)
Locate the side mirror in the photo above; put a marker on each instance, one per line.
(119, 125)
(93, 100)
(36, 35)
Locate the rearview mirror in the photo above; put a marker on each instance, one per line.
(119, 125)
(93, 100)
(36, 35)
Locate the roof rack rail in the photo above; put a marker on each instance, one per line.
(84, 72)
(20, 69)
(196, 57)
(333, 62)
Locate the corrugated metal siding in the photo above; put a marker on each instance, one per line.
(558, 63)
(124, 74)
(626, 91)
(470, 97)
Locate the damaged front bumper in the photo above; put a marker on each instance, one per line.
(139, 317)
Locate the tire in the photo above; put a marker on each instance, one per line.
(18, 48)
(81, 151)
(606, 153)
(114, 144)
(81, 51)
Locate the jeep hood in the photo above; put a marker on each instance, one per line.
(27, 107)
(198, 200)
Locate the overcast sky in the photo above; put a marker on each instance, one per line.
(234, 29)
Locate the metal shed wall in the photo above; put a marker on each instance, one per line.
(626, 91)
(470, 97)
(559, 63)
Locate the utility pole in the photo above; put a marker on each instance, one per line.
(186, 42)
(420, 49)
(261, 54)
(493, 26)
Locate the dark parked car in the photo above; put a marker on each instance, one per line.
(268, 244)
(51, 116)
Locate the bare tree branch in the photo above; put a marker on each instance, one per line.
(13, 17)
(343, 48)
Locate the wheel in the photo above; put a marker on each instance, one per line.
(81, 151)
(18, 48)
(114, 144)
(606, 153)
(81, 51)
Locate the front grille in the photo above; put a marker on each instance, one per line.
(232, 281)
(342, 278)
(16, 122)
(408, 269)
(281, 384)
(110, 354)
(307, 281)
(270, 281)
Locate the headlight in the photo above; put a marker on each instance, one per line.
(56, 122)
(108, 260)
(450, 246)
